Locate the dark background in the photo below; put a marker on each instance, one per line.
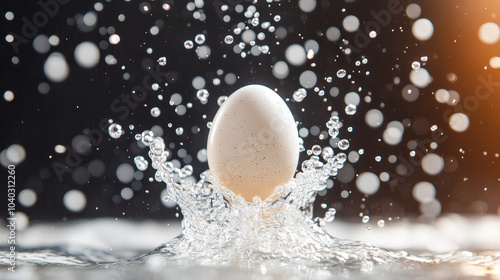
(77, 105)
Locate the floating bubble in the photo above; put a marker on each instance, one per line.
(146, 137)
(299, 95)
(9, 15)
(229, 39)
(311, 46)
(15, 154)
(353, 156)
(8, 95)
(221, 100)
(202, 155)
(343, 144)
(96, 168)
(393, 134)
(495, 62)
(296, 55)
(422, 29)
(341, 73)
(381, 223)
(41, 44)
(162, 61)
(202, 95)
(231, 78)
(179, 131)
(75, 200)
(489, 33)
(333, 34)
(384, 176)
(90, 19)
(155, 112)
(27, 197)
(350, 23)
(56, 68)
(420, 77)
(308, 79)
(248, 36)
(115, 130)
(110, 59)
(180, 110)
(127, 193)
(350, 109)
(307, 6)
(175, 99)
(87, 54)
(199, 39)
(410, 93)
(114, 39)
(454, 98)
(432, 164)
(125, 173)
(280, 70)
(203, 52)
(60, 149)
(442, 96)
(459, 122)
(365, 219)
(431, 209)
(413, 11)
(198, 82)
(352, 98)
(424, 192)
(188, 44)
(368, 183)
(374, 118)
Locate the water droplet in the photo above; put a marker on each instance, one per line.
(327, 153)
(162, 61)
(199, 39)
(316, 149)
(415, 65)
(365, 219)
(277, 18)
(115, 130)
(141, 163)
(350, 109)
(155, 112)
(202, 95)
(229, 39)
(179, 131)
(147, 137)
(299, 95)
(188, 44)
(341, 73)
(381, 223)
(221, 100)
(343, 144)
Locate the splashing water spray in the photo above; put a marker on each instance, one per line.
(248, 207)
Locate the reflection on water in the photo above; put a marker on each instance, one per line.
(111, 249)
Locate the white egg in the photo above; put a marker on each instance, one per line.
(253, 143)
